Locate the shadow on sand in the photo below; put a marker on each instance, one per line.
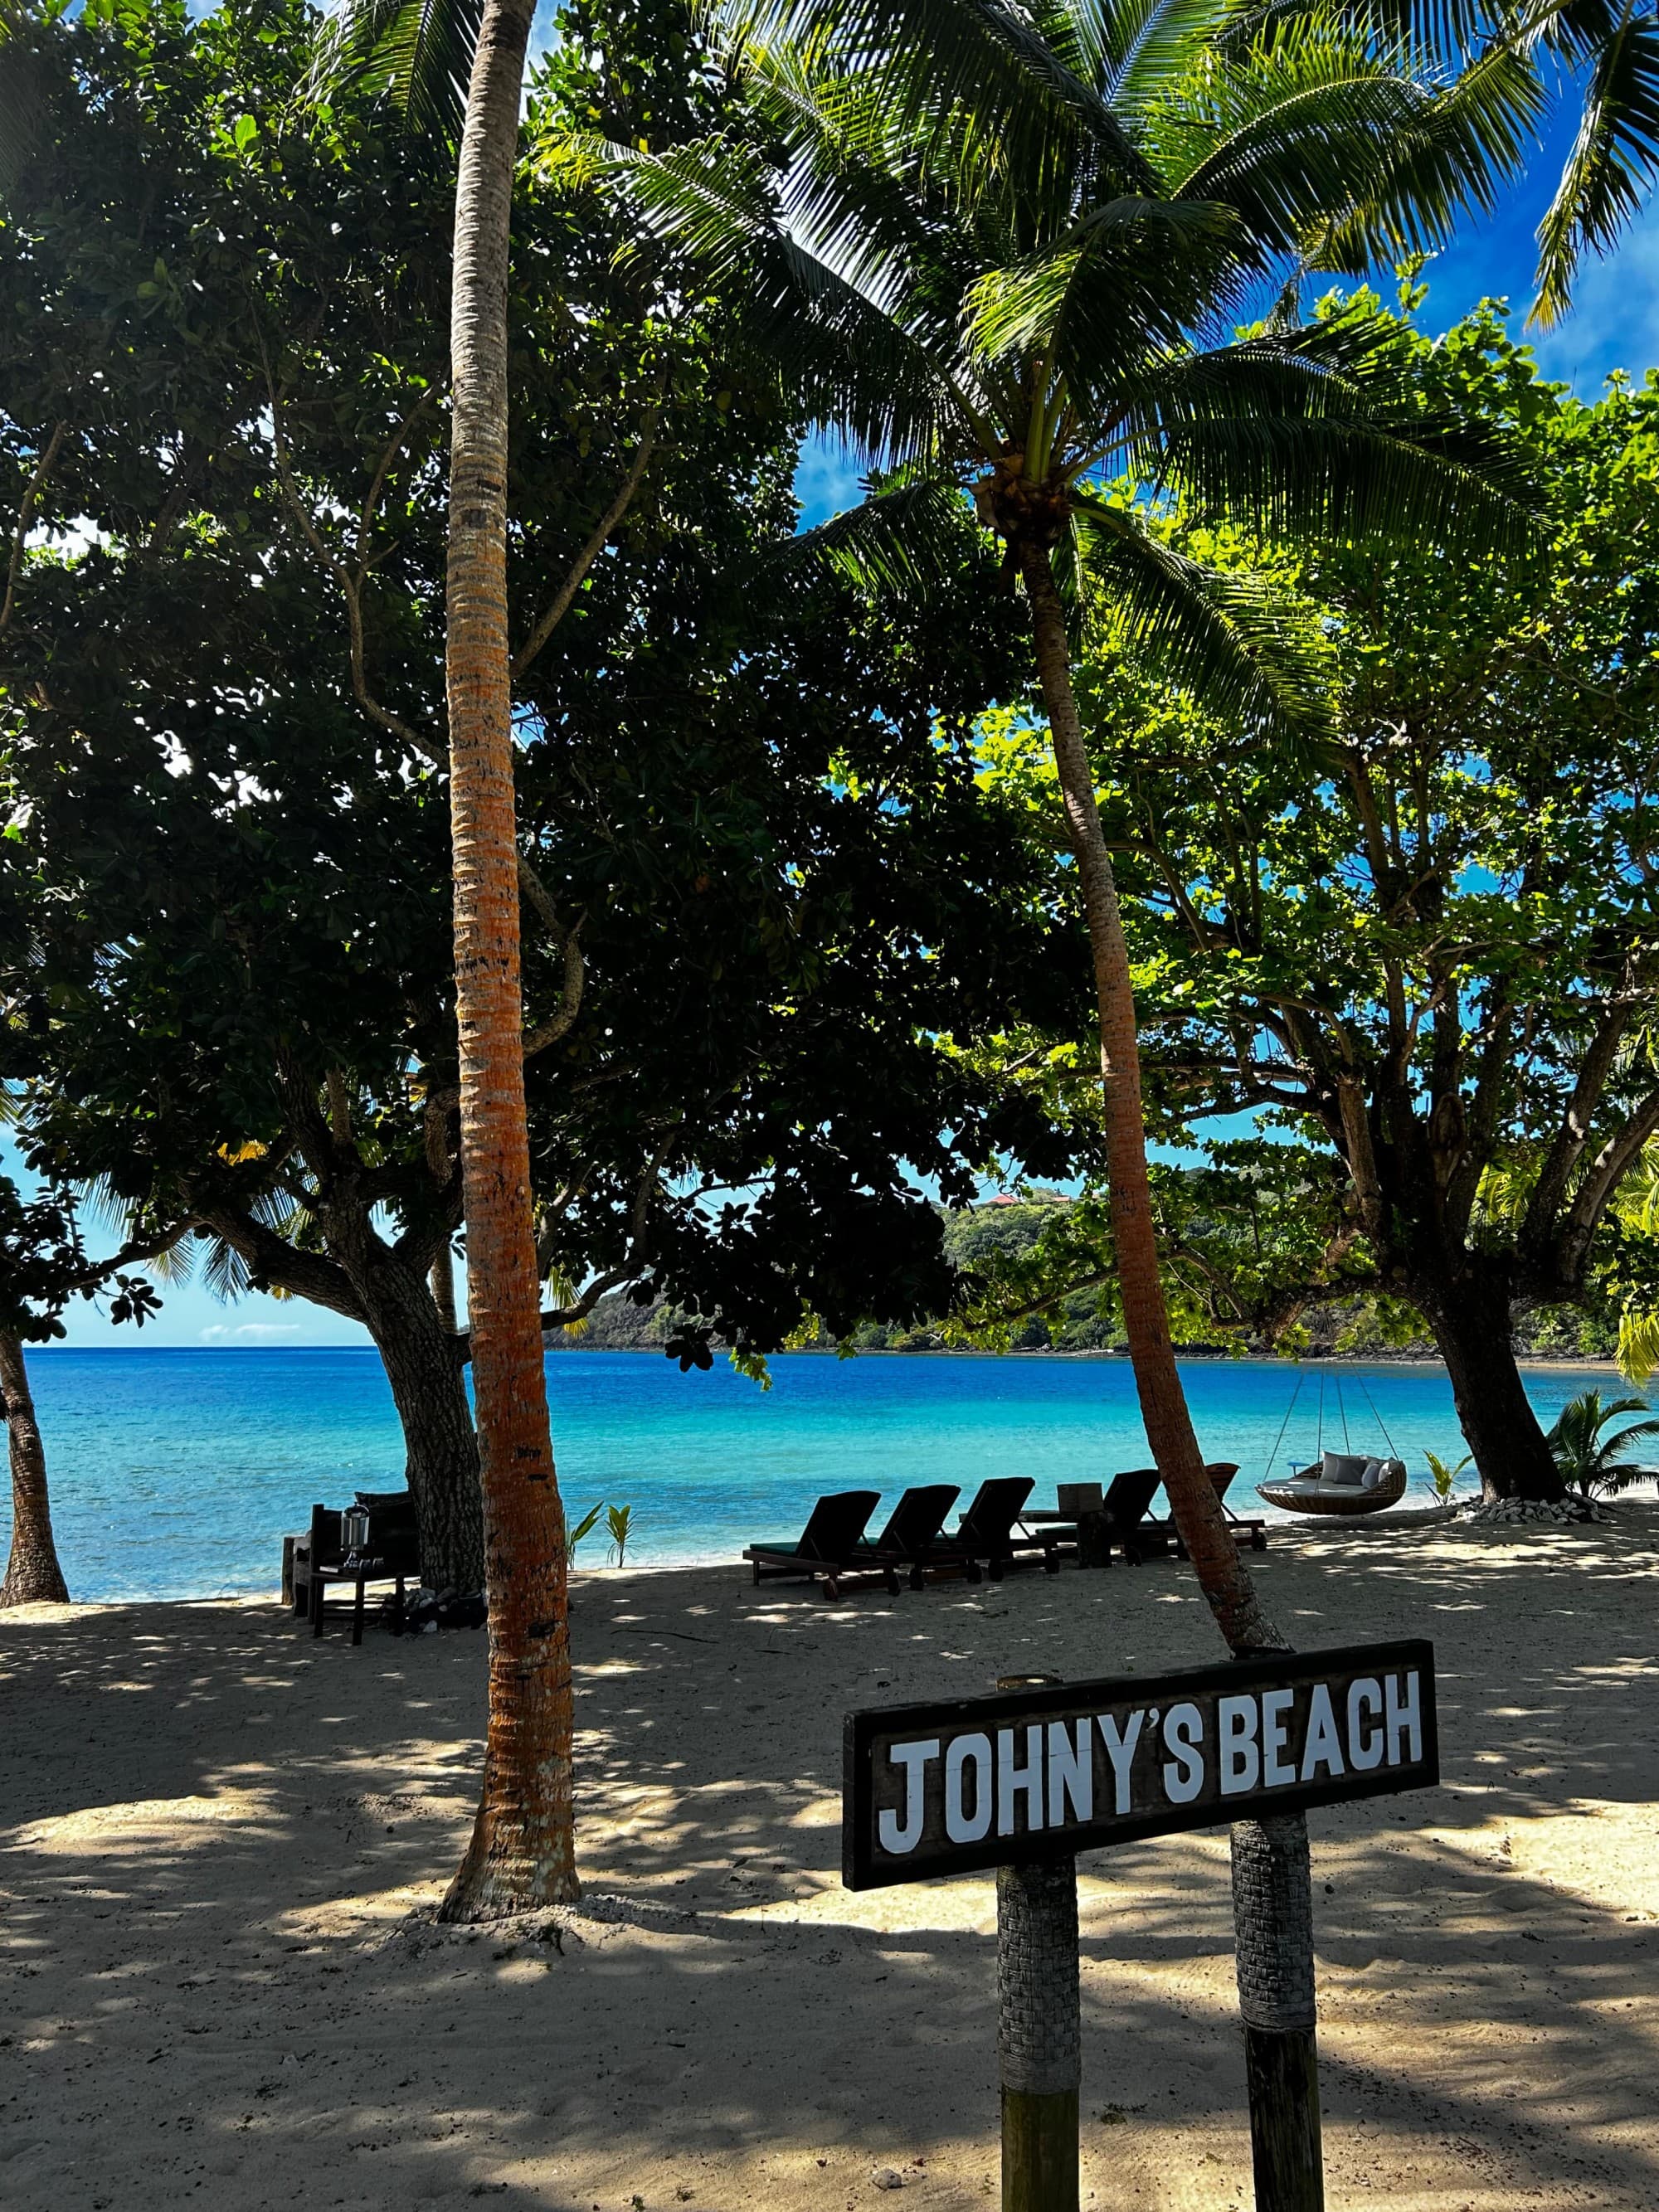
(217, 1831)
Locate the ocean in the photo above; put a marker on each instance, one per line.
(175, 1474)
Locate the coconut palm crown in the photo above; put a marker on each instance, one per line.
(1008, 246)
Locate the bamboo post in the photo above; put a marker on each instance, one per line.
(1038, 2031)
(1272, 1915)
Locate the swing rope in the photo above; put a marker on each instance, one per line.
(1342, 1408)
(1301, 1378)
(1319, 1441)
(1394, 1449)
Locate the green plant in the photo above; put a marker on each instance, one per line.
(1443, 1475)
(1586, 1458)
(573, 1536)
(619, 1520)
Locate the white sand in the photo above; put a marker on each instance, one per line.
(215, 1831)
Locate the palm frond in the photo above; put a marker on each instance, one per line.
(1639, 1346)
(1319, 136)
(225, 1272)
(418, 54)
(1148, 45)
(1613, 164)
(1314, 432)
(851, 360)
(1227, 636)
(1130, 273)
(942, 62)
(902, 539)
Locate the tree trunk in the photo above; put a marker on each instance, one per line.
(1222, 1574)
(428, 1388)
(33, 1573)
(1272, 1918)
(523, 1849)
(1473, 1327)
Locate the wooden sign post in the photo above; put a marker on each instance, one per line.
(1025, 1780)
(1039, 2027)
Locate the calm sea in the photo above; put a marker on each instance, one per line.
(174, 1473)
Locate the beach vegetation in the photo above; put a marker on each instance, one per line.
(1595, 1458)
(576, 1531)
(619, 1521)
(1444, 1473)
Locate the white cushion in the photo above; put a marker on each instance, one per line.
(1375, 1470)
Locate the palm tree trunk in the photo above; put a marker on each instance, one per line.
(33, 1573)
(1272, 1905)
(1221, 1572)
(523, 1849)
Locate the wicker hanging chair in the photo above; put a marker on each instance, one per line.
(1309, 1490)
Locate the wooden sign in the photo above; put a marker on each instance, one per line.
(1045, 1773)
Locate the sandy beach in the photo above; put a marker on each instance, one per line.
(219, 1837)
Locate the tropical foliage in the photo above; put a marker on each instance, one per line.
(1438, 978)
(1595, 1462)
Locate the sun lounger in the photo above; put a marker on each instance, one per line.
(913, 1530)
(986, 1532)
(1124, 1519)
(1221, 1473)
(831, 1547)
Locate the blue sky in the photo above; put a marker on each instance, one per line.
(1614, 324)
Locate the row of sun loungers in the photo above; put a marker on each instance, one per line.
(996, 1531)
(834, 1544)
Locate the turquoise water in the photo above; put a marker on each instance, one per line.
(174, 1473)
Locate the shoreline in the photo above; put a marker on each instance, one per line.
(1543, 1363)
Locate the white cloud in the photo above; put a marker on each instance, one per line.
(251, 1332)
(1614, 323)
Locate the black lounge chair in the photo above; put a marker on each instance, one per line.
(911, 1533)
(1221, 1473)
(831, 1545)
(1124, 1516)
(987, 1531)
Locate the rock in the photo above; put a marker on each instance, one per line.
(1566, 1512)
(887, 2177)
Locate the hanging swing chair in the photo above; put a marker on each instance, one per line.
(1335, 1482)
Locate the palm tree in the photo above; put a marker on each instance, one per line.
(421, 54)
(1598, 1464)
(999, 249)
(522, 1851)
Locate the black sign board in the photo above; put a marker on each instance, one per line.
(1044, 1773)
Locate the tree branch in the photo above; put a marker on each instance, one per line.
(383, 717)
(1612, 1163)
(1567, 1147)
(570, 997)
(304, 1274)
(559, 605)
(32, 492)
